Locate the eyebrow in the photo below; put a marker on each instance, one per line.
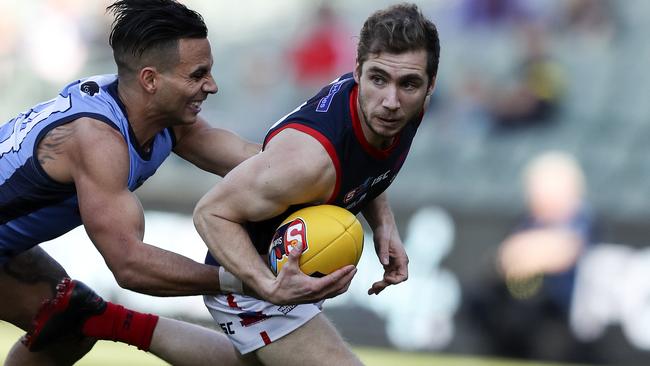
(201, 70)
(377, 70)
(409, 76)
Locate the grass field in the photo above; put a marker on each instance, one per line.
(110, 353)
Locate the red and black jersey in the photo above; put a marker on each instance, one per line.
(363, 172)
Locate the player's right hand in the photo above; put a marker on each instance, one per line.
(292, 286)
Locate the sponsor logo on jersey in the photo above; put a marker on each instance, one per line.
(360, 190)
(326, 101)
(359, 193)
(89, 87)
(356, 196)
(380, 178)
(286, 309)
(286, 238)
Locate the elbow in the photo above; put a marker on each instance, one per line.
(200, 215)
(205, 216)
(126, 280)
(126, 275)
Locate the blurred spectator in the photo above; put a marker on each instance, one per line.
(536, 92)
(525, 311)
(558, 226)
(323, 51)
(592, 19)
(493, 13)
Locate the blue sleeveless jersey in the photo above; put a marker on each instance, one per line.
(33, 207)
(362, 171)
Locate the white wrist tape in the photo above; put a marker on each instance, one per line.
(229, 283)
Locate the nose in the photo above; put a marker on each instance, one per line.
(210, 86)
(391, 99)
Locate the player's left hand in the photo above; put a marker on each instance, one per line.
(392, 256)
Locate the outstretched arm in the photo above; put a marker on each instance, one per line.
(94, 157)
(293, 169)
(212, 149)
(388, 245)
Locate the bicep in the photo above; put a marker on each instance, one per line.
(111, 214)
(249, 193)
(295, 170)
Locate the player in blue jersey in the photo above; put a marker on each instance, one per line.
(343, 147)
(75, 160)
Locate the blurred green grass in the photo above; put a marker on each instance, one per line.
(110, 353)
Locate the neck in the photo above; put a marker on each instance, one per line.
(143, 122)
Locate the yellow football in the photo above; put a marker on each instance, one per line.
(331, 238)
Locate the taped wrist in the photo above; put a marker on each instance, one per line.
(228, 283)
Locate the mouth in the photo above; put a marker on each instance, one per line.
(195, 106)
(388, 120)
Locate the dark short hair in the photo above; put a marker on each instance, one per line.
(148, 31)
(397, 29)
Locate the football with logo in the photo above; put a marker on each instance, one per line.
(331, 238)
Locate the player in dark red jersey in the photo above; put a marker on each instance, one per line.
(343, 147)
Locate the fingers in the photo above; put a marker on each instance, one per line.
(293, 259)
(377, 287)
(292, 286)
(295, 253)
(337, 282)
(383, 252)
(343, 290)
(389, 279)
(342, 273)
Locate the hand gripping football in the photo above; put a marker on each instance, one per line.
(331, 238)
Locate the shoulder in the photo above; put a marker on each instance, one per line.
(301, 158)
(82, 145)
(297, 145)
(95, 131)
(90, 138)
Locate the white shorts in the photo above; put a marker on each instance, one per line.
(251, 323)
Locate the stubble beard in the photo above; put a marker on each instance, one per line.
(366, 120)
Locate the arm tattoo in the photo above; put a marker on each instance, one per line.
(52, 143)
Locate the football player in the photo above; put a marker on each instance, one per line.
(344, 147)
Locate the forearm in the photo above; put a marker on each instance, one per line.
(231, 246)
(384, 229)
(378, 213)
(388, 245)
(159, 272)
(213, 149)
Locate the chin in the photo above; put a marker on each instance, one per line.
(388, 133)
(189, 120)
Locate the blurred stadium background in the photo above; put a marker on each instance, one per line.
(459, 194)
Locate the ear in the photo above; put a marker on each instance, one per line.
(430, 89)
(148, 79)
(432, 86)
(357, 72)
